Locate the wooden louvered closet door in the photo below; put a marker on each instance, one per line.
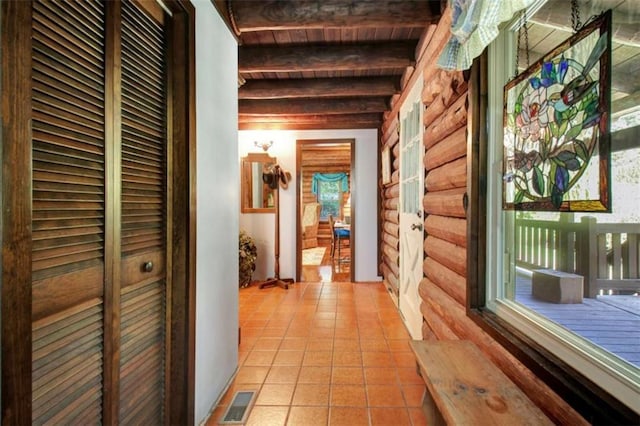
(143, 218)
(98, 214)
(68, 150)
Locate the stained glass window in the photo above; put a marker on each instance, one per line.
(556, 127)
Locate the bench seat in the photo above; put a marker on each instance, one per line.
(465, 388)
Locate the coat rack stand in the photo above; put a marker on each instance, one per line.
(276, 280)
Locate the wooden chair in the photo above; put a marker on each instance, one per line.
(310, 224)
(338, 237)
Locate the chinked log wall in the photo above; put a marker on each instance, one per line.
(443, 289)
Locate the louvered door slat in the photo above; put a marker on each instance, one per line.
(67, 78)
(137, 133)
(65, 34)
(54, 388)
(135, 104)
(74, 18)
(48, 108)
(48, 89)
(67, 243)
(68, 219)
(131, 90)
(140, 113)
(140, 234)
(143, 218)
(62, 369)
(140, 62)
(59, 164)
(70, 194)
(148, 337)
(148, 36)
(137, 148)
(88, 12)
(145, 93)
(145, 410)
(130, 162)
(148, 177)
(142, 348)
(143, 123)
(78, 405)
(140, 374)
(46, 119)
(51, 54)
(51, 154)
(139, 129)
(60, 356)
(57, 136)
(84, 226)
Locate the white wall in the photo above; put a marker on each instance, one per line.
(217, 208)
(261, 225)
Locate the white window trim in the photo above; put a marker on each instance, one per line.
(615, 376)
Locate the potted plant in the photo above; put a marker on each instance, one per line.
(248, 252)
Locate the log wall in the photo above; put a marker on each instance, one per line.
(443, 290)
(318, 159)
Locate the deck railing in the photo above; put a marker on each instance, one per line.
(607, 255)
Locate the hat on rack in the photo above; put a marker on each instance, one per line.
(275, 174)
(285, 177)
(270, 179)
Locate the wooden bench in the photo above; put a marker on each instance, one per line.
(465, 388)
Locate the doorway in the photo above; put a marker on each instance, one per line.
(325, 210)
(411, 211)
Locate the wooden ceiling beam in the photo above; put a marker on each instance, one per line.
(325, 57)
(308, 126)
(310, 122)
(319, 87)
(260, 15)
(311, 106)
(311, 118)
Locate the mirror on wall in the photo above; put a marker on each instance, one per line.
(257, 197)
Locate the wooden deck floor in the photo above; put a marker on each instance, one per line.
(612, 322)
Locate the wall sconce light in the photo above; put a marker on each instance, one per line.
(264, 145)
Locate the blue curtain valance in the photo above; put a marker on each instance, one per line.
(330, 177)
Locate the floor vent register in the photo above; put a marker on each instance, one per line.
(238, 411)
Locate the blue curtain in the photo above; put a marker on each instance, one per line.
(330, 177)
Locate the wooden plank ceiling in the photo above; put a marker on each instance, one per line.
(322, 64)
(310, 64)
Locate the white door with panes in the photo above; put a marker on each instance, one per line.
(411, 214)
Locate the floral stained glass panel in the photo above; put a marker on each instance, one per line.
(556, 127)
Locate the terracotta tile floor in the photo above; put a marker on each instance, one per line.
(325, 354)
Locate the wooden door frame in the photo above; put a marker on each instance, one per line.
(16, 218)
(352, 189)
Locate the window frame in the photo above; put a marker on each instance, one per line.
(581, 392)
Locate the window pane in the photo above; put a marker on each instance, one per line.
(577, 271)
(329, 197)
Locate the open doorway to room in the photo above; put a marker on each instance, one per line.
(325, 210)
